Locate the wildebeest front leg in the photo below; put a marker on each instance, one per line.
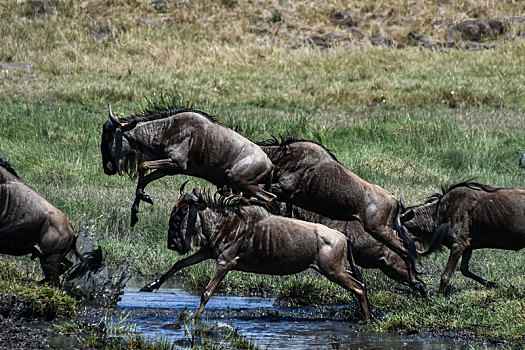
(196, 258)
(455, 253)
(144, 180)
(51, 268)
(220, 272)
(465, 258)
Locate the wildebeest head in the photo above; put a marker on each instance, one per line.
(185, 230)
(113, 146)
(421, 220)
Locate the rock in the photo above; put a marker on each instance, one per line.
(356, 33)
(342, 19)
(42, 7)
(318, 41)
(148, 21)
(286, 4)
(420, 40)
(99, 32)
(160, 5)
(476, 29)
(379, 40)
(517, 20)
(14, 66)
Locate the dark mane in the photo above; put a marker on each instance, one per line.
(288, 140)
(7, 166)
(226, 203)
(157, 112)
(446, 189)
(469, 184)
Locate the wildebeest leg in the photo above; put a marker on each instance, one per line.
(51, 268)
(144, 180)
(465, 258)
(140, 195)
(455, 253)
(196, 258)
(221, 269)
(250, 188)
(345, 279)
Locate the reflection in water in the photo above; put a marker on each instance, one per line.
(155, 316)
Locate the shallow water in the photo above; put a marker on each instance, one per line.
(271, 327)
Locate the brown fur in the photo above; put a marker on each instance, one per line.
(31, 225)
(367, 251)
(184, 142)
(253, 240)
(469, 216)
(309, 176)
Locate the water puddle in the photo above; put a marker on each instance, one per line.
(154, 315)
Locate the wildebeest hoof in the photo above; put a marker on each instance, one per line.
(146, 198)
(149, 287)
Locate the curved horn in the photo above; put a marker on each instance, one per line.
(182, 187)
(113, 117)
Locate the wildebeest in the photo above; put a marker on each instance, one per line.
(367, 251)
(522, 161)
(183, 141)
(468, 216)
(29, 224)
(309, 176)
(248, 238)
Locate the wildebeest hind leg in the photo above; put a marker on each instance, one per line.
(465, 258)
(352, 284)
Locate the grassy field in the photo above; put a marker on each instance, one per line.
(408, 119)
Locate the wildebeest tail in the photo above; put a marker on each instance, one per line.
(90, 261)
(405, 237)
(353, 266)
(437, 239)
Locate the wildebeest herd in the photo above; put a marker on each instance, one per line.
(281, 207)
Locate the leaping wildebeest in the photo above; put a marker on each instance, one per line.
(469, 216)
(246, 237)
(185, 141)
(367, 251)
(29, 224)
(309, 176)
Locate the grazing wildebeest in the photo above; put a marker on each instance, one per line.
(309, 176)
(248, 238)
(522, 161)
(367, 251)
(469, 216)
(183, 141)
(31, 225)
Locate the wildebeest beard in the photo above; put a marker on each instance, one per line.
(130, 165)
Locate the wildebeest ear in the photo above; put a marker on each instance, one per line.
(407, 216)
(128, 126)
(201, 205)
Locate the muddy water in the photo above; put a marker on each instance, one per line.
(155, 315)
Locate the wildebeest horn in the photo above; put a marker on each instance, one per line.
(113, 117)
(182, 187)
